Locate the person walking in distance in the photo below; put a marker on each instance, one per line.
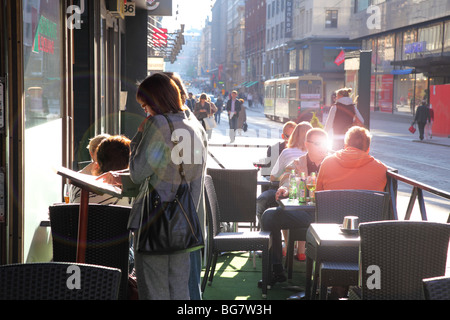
(233, 109)
(422, 118)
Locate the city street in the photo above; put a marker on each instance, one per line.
(392, 143)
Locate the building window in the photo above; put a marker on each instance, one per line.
(292, 60)
(268, 11)
(331, 18)
(447, 37)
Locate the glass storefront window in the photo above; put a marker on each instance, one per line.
(447, 38)
(42, 62)
(432, 36)
(43, 87)
(409, 37)
(385, 53)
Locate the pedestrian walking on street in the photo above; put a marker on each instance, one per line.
(422, 118)
(343, 115)
(219, 105)
(233, 109)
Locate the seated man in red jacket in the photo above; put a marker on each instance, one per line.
(352, 167)
(349, 168)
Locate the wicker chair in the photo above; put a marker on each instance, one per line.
(50, 281)
(236, 194)
(405, 253)
(437, 288)
(340, 267)
(107, 236)
(231, 241)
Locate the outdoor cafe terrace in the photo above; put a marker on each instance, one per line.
(406, 244)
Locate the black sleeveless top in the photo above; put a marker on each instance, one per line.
(343, 119)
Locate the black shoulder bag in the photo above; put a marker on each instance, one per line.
(169, 227)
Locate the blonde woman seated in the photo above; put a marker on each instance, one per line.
(113, 154)
(92, 147)
(295, 149)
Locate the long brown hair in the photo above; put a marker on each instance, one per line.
(160, 93)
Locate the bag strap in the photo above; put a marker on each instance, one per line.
(180, 166)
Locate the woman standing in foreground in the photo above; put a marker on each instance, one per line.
(164, 276)
(154, 160)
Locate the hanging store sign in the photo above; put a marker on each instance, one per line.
(289, 16)
(159, 37)
(416, 47)
(156, 64)
(155, 7)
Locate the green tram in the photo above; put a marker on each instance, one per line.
(293, 98)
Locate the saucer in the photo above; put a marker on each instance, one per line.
(348, 231)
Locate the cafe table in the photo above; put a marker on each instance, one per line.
(327, 241)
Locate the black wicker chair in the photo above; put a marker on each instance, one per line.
(405, 253)
(437, 288)
(107, 237)
(231, 241)
(53, 281)
(340, 268)
(236, 194)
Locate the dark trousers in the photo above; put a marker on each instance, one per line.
(421, 126)
(277, 219)
(233, 127)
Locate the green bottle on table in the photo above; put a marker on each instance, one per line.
(302, 189)
(292, 186)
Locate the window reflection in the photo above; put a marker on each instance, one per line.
(42, 61)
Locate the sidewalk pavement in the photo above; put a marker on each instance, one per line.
(384, 116)
(408, 118)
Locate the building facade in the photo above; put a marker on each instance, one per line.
(255, 46)
(410, 52)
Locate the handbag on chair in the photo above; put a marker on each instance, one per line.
(169, 227)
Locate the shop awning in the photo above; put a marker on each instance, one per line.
(248, 85)
(243, 84)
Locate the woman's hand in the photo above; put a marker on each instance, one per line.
(111, 177)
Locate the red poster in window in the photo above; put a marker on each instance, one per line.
(340, 58)
(385, 93)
